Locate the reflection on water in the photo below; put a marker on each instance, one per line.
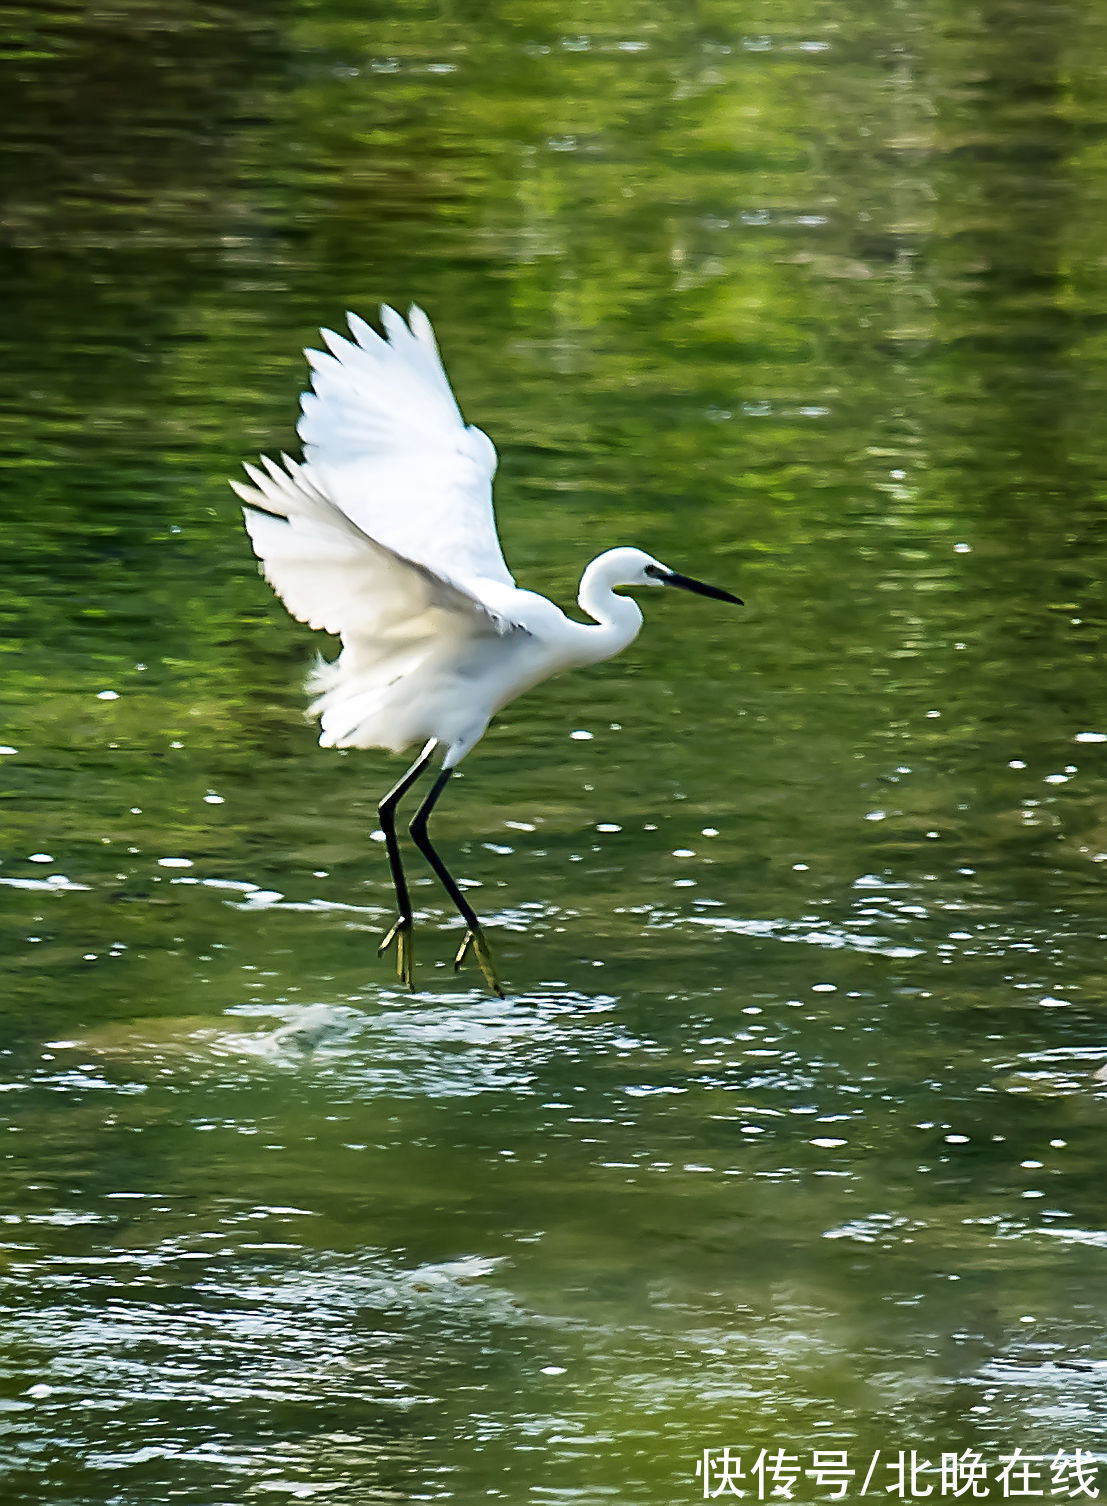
(789, 1132)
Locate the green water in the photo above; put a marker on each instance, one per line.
(788, 1134)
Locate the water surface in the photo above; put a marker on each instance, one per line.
(788, 1134)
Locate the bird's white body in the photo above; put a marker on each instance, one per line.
(385, 535)
(448, 686)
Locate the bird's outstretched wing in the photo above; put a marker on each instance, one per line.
(384, 442)
(332, 575)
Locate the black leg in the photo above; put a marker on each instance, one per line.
(401, 932)
(474, 935)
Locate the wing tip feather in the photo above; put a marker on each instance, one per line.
(337, 344)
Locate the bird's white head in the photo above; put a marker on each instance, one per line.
(627, 567)
(634, 567)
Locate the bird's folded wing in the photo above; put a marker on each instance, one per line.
(332, 575)
(384, 440)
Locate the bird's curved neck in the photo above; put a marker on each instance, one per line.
(618, 618)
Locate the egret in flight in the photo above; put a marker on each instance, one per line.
(384, 535)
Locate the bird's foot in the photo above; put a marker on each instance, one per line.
(475, 941)
(403, 935)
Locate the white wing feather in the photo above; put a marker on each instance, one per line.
(330, 574)
(385, 442)
(385, 536)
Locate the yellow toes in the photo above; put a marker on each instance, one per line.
(476, 942)
(403, 935)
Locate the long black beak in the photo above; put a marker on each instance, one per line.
(685, 583)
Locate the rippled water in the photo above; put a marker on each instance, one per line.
(789, 1132)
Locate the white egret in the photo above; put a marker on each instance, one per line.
(385, 536)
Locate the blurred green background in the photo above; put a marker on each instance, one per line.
(788, 1134)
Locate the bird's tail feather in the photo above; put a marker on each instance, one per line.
(368, 703)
